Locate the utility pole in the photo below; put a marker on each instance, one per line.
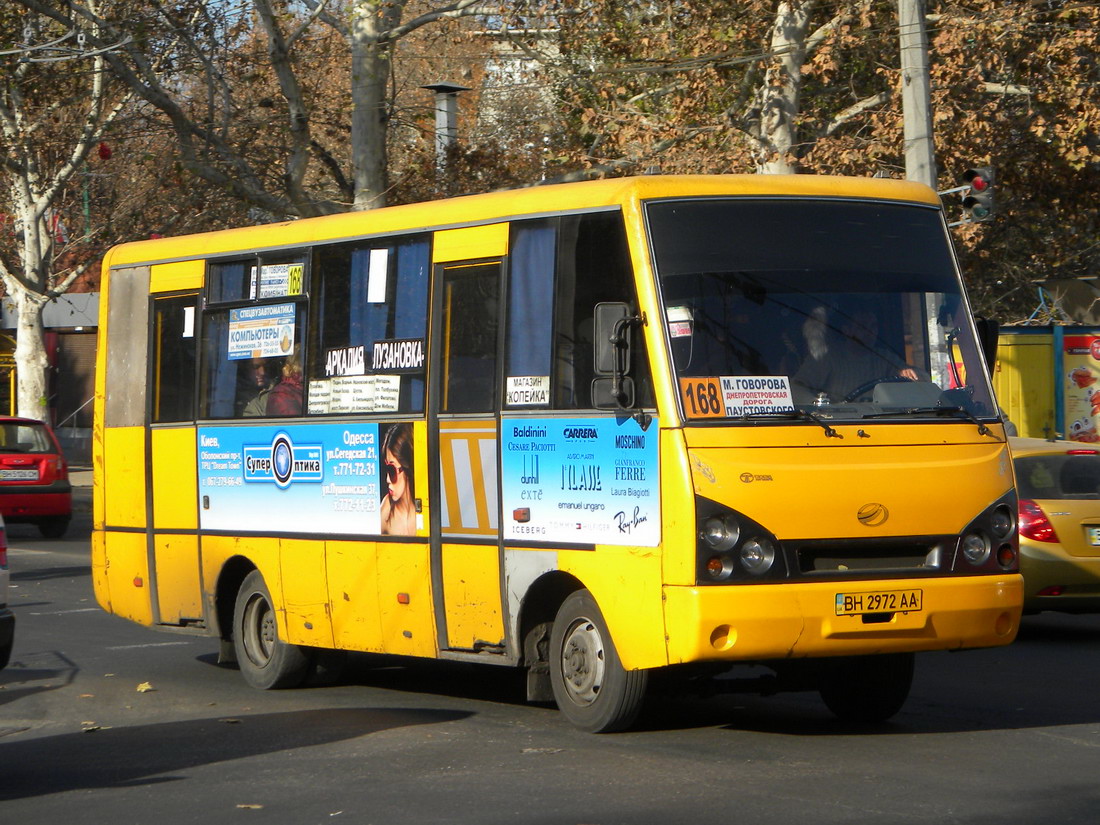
(446, 121)
(916, 103)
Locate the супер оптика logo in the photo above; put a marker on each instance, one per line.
(282, 462)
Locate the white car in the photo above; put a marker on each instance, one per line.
(7, 618)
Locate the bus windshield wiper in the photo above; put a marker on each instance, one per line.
(958, 412)
(794, 415)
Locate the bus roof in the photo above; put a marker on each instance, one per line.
(494, 206)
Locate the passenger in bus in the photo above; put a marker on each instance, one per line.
(840, 368)
(258, 378)
(398, 508)
(285, 398)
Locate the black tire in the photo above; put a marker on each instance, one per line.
(591, 687)
(265, 662)
(54, 527)
(867, 689)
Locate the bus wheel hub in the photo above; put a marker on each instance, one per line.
(582, 661)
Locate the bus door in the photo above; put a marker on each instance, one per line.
(173, 513)
(463, 432)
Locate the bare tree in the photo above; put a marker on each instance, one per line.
(56, 103)
(206, 90)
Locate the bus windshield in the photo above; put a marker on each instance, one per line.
(846, 309)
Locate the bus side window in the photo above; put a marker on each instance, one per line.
(371, 298)
(470, 314)
(593, 267)
(234, 384)
(530, 321)
(174, 359)
(569, 264)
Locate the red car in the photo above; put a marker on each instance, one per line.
(34, 477)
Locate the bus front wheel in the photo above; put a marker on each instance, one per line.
(265, 662)
(591, 687)
(867, 689)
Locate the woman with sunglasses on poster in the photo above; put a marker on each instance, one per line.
(398, 508)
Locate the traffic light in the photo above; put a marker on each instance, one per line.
(978, 203)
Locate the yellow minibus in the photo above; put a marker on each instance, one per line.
(590, 430)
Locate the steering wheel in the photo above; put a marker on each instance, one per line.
(869, 385)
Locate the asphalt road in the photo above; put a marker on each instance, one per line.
(105, 721)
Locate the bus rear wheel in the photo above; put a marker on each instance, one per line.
(591, 687)
(265, 662)
(867, 689)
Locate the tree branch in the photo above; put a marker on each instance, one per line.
(855, 110)
(238, 177)
(317, 11)
(461, 8)
(278, 52)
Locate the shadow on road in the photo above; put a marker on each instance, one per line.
(42, 573)
(461, 680)
(138, 755)
(993, 689)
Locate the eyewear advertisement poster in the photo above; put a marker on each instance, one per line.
(581, 480)
(290, 478)
(1081, 360)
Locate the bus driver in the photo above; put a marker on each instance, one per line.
(859, 359)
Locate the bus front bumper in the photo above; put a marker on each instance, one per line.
(796, 620)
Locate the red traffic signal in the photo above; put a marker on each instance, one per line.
(978, 203)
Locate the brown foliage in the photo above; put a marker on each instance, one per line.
(1015, 87)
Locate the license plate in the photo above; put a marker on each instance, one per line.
(18, 475)
(1094, 535)
(878, 601)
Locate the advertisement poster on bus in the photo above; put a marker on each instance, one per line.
(261, 332)
(1081, 382)
(582, 480)
(302, 478)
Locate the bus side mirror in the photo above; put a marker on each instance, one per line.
(988, 330)
(613, 388)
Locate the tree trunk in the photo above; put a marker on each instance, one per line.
(28, 293)
(30, 356)
(780, 94)
(370, 73)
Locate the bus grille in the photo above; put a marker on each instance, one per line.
(924, 555)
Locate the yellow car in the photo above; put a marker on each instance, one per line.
(1059, 487)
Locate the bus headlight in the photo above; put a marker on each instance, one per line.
(989, 544)
(731, 548)
(720, 533)
(757, 556)
(1002, 522)
(975, 548)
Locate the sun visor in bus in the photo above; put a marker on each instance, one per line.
(470, 243)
